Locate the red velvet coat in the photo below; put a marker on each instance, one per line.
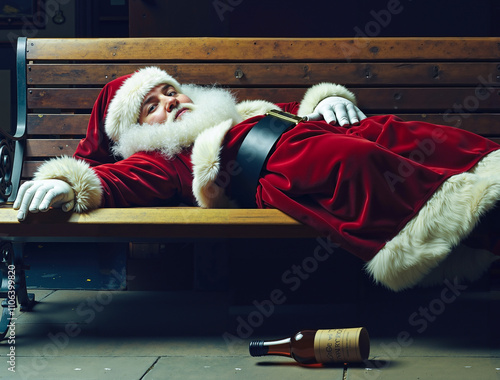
(359, 185)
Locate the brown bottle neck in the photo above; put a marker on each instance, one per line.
(278, 347)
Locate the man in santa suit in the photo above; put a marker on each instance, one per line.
(406, 197)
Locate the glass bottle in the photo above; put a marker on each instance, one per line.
(348, 345)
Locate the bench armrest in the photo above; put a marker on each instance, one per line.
(8, 189)
(12, 146)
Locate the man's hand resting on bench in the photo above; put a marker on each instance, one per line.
(41, 195)
(336, 109)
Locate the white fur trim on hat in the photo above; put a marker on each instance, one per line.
(320, 91)
(124, 108)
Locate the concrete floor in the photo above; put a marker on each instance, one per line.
(448, 332)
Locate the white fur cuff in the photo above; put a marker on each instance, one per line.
(205, 158)
(79, 175)
(250, 108)
(320, 91)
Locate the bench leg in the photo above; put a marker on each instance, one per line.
(13, 284)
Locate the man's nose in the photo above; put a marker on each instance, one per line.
(170, 103)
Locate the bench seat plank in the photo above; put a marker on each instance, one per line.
(131, 224)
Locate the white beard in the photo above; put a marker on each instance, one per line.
(210, 107)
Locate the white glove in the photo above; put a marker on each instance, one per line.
(43, 194)
(336, 109)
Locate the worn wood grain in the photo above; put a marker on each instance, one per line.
(259, 49)
(154, 223)
(280, 74)
(58, 124)
(374, 98)
(51, 147)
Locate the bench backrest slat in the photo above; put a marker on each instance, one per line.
(268, 74)
(265, 49)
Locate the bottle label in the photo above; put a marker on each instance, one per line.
(338, 346)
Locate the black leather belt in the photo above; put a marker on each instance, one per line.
(254, 152)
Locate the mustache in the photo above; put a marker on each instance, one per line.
(171, 116)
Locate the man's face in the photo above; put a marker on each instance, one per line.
(163, 103)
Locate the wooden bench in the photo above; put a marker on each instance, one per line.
(450, 81)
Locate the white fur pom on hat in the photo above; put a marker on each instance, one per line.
(124, 108)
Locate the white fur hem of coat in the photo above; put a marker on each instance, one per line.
(205, 156)
(320, 91)
(426, 251)
(79, 175)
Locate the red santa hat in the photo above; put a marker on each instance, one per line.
(124, 109)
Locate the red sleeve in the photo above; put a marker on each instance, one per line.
(146, 179)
